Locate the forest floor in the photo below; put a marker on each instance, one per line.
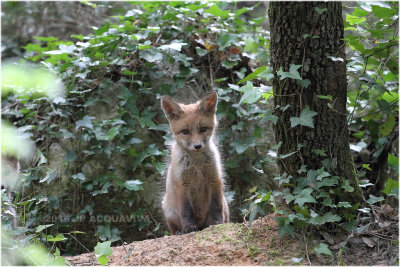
(237, 244)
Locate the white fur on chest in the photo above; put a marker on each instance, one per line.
(197, 167)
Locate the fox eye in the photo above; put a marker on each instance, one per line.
(185, 131)
(203, 129)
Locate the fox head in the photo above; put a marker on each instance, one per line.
(192, 125)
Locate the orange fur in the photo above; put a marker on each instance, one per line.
(194, 196)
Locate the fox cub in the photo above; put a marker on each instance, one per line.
(194, 197)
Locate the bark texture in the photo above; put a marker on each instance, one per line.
(310, 34)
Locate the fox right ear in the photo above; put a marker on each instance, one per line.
(171, 109)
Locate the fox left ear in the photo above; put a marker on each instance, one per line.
(209, 103)
(171, 109)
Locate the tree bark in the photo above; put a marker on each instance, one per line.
(309, 34)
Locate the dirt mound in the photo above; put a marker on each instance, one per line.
(236, 244)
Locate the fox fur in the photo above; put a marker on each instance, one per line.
(194, 197)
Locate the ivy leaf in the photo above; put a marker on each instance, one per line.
(268, 116)
(50, 176)
(255, 209)
(320, 152)
(160, 127)
(302, 169)
(174, 46)
(336, 59)
(241, 11)
(366, 166)
(391, 188)
(267, 74)
(242, 145)
(323, 249)
(327, 97)
(293, 73)
(128, 72)
(253, 75)
(238, 126)
(383, 12)
(103, 29)
(373, 199)
(360, 12)
(77, 36)
(103, 260)
(112, 133)
(42, 227)
(79, 176)
(251, 94)
(288, 197)
(102, 250)
(287, 155)
(304, 83)
(322, 175)
(216, 11)
(305, 197)
(344, 205)
(59, 100)
(86, 122)
(134, 185)
(42, 158)
(59, 237)
(226, 39)
(151, 55)
(229, 64)
(201, 52)
(346, 186)
(70, 156)
(365, 183)
(258, 132)
(284, 226)
(67, 134)
(296, 260)
(329, 217)
(68, 49)
(320, 10)
(393, 162)
(104, 189)
(354, 19)
(305, 119)
(384, 106)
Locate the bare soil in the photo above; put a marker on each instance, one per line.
(237, 244)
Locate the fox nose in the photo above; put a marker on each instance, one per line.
(197, 146)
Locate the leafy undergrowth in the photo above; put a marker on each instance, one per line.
(237, 244)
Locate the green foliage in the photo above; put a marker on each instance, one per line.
(102, 250)
(373, 70)
(305, 119)
(28, 81)
(114, 78)
(100, 147)
(316, 197)
(323, 249)
(391, 188)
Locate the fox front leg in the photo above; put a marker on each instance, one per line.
(187, 218)
(215, 209)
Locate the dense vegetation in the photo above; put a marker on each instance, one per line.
(100, 147)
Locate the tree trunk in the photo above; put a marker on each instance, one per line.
(310, 34)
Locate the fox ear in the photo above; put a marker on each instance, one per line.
(171, 109)
(209, 103)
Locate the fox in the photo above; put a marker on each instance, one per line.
(194, 195)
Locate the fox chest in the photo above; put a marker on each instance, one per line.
(196, 175)
(198, 181)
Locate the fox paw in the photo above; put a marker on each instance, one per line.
(216, 221)
(188, 229)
